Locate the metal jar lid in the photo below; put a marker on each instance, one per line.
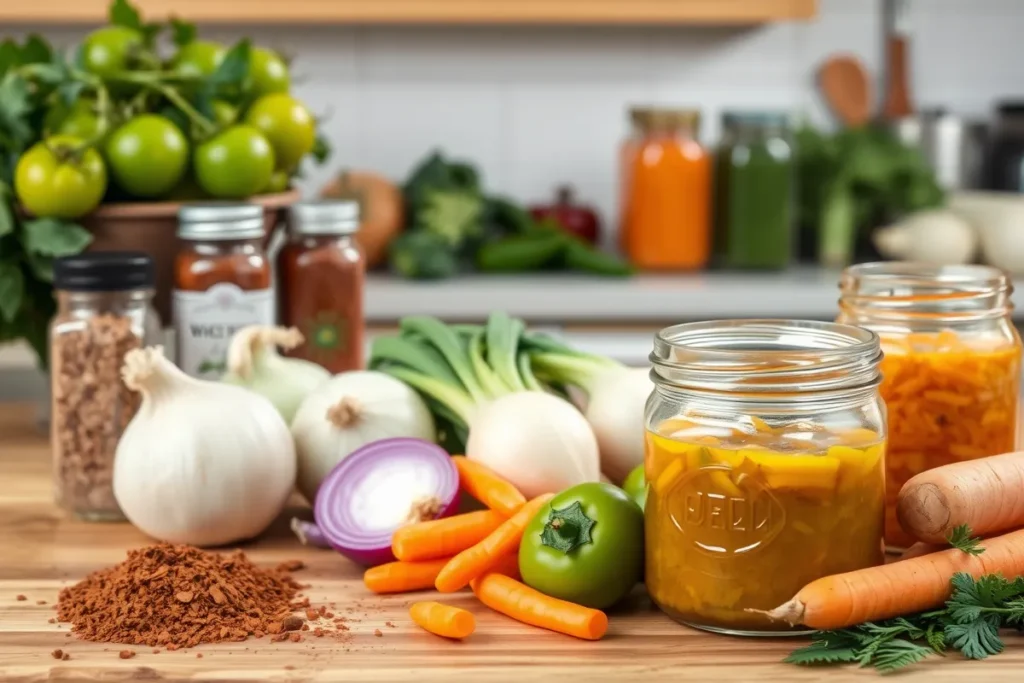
(324, 217)
(104, 271)
(220, 221)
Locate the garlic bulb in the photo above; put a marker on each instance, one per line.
(253, 362)
(349, 411)
(937, 236)
(202, 463)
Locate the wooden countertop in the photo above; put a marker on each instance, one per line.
(41, 551)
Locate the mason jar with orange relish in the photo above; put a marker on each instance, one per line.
(951, 372)
(764, 453)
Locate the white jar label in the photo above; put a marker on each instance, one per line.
(204, 323)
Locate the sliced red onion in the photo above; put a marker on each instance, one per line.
(380, 487)
(309, 533)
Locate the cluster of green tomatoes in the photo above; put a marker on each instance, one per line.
(135, 134)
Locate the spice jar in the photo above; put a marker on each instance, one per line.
(104, 310)
(754, 192)
(764, 450)
(222, 282)
(321, 280)
(951, 369)
(667, 202)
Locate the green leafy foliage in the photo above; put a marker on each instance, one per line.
(962, 538)
(182, 32)
(968, 623)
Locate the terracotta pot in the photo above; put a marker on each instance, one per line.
(151, 226)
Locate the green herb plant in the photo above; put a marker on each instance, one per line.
(969, 623)
(35, 82)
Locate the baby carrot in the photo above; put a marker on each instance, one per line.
(443, 620)
(489, 487)
(522, 603)
(443, 537)
(480, 558)
(400, 577)
(508, 565)
(985, 494)
(899, 588)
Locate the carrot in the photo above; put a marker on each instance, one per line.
(508, 565)
(443, 537)
(443, 620)
(899, 588)
(985, 494)
(522, 603)
(400, 577)
(489, 487)
(482, 557)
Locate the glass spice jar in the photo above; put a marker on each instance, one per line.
(951, 369)
(764, 453)
(104, 310)
(667, 202)
(222, 282)
(321, 275)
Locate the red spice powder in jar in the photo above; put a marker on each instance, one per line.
(322, 275)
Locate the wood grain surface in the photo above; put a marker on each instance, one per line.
(41, 551)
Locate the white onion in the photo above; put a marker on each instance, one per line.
(615, 411)
(349, 411)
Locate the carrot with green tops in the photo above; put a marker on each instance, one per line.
(482, 557)
(522, 603)
(986, 494)
(401, 577)
(443, 620)
(487, 486)
(443, 537)
(897, 589)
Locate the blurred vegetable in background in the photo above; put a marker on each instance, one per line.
(853, 180)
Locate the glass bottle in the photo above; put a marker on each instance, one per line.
(764, 453)
(754, 190)
(321, 274)
(667, 208)
(222, 282)
(952, 364)
(104, 310)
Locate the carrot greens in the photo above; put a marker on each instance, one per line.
(969, 623)
(962, 538)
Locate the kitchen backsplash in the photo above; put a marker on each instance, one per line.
(534, 107)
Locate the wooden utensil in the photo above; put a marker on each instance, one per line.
(897, 95)
(844, 82)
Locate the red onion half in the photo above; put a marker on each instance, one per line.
(380, 487)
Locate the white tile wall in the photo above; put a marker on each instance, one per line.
(537, 106)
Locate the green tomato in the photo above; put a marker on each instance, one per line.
(235, 164)
(51, 180)
(278, 182)
(108, 50)
(585, 546)
(267, 73)
(147, 156)
(199, 58)
(287, 125)
(635, 486)
(79, 120)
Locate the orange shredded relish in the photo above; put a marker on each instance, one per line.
(948, 400)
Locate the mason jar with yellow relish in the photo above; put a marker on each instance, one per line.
(952, 367)
(764, 453)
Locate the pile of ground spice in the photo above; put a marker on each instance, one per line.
(179, 596)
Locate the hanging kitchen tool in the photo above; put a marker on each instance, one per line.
(844, 82)
(898, 99)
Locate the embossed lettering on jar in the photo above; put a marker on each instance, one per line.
(764, 449)
(951, 369)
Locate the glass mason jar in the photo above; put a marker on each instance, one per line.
(951, 369)
(754, 191)
(764, 453)
(321, 274)
(222, 282)
(667, 201)
(104, 310)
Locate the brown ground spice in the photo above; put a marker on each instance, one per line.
(179, 596)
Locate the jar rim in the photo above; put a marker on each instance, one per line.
(766, 356)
